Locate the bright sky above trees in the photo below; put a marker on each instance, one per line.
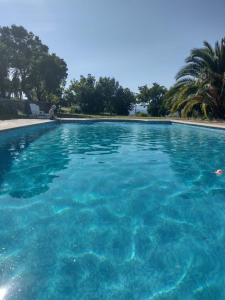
(136, 41)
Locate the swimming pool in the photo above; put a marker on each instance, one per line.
(112, 210)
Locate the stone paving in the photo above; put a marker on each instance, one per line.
(16, 123)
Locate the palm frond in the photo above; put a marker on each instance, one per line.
(190, 69)
(209, 47)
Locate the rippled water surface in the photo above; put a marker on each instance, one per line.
(101, 211)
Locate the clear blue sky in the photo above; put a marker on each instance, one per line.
(136, 41)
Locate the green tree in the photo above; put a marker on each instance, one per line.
(23, 49)
(31, 70)
(83, 93)
(102, 96)
(155, 98)
(123, 101)
(4, 72)
(200, 86)
(48, 78)
(116, 99)
(107, 89)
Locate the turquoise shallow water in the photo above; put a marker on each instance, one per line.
(123, 211)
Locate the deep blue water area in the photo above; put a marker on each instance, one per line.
(111, 210)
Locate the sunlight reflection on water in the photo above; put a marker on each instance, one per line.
(3, 293)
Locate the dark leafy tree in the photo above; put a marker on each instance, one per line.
(49, 75)
(154, 97)
(102, 96)
(107, 89)
(30, 69)
(83, 93)
(4, 72)
(123, 101)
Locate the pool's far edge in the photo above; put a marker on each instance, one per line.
(9, 125)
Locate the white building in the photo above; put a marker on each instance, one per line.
(139, 108)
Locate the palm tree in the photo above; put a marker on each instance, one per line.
(200, 83)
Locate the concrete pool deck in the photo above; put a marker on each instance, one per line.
(20, 123)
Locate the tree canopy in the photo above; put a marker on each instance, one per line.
(99, 96)
(154, 97)
(27, 68)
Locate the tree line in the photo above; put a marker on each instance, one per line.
(28, 70)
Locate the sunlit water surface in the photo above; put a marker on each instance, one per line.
(112, 211)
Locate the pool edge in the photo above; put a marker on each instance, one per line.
(39, 122)
(30, 125)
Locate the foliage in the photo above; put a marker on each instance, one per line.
(107, 89)
(141, 114)
(123, 101)
(155, 98)
(83, 93)
(200, 86)
(27, 68)
(4, 70)
(102, 96)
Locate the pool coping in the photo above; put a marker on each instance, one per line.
(211, 125)
(124, 120)
(150, 121)
(8, 125)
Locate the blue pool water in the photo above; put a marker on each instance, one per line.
(123, 211)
